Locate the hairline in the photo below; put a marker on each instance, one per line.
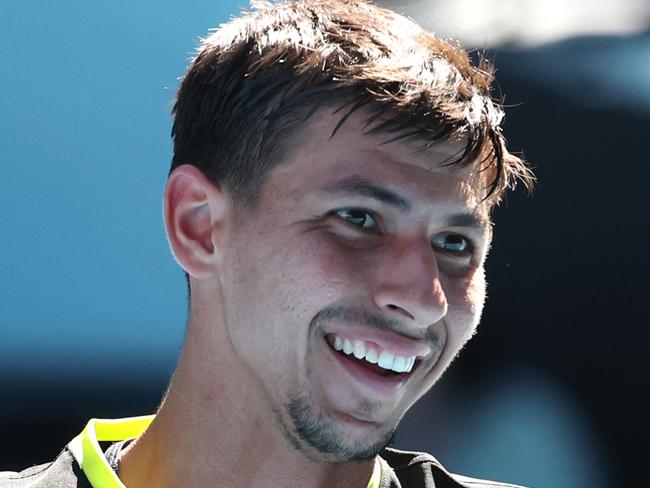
(290, 124)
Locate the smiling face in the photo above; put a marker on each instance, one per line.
(357, 253)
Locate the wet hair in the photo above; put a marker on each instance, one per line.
(257, 78)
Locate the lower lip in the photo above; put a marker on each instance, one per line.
(386, 386)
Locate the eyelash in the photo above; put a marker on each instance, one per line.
(468, 243)
(354, 209)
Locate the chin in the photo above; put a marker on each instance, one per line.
(340, 439)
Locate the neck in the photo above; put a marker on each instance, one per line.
(216, 428)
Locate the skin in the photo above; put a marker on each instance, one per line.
(260, 277)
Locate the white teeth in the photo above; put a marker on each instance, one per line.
(399, 364)
(371, 355)
(409, 364)
(384, 359)
(359, 349)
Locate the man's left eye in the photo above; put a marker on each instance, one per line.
(453, 243)
(357, 217)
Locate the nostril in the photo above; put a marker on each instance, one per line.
(401, 310)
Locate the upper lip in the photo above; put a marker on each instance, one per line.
(387, 340)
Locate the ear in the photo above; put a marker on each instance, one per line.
(195, 211)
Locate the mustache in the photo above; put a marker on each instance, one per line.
(362, 317)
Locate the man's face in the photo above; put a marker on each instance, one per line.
(358, 252)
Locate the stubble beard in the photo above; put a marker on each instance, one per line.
(313, 429)
(326, 437)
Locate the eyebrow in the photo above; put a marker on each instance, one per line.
(466, 219)
(360, 186)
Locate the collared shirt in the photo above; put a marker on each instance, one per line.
(88, 453)
(83, 464)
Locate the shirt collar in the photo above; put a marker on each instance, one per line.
(86, 449)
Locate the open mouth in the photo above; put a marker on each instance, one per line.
(383, 365)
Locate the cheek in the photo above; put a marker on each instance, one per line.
(475, 294)
(258, 304)
(466, 301)
(275, 291)
(327, 268)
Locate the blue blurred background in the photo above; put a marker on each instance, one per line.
(550, 393)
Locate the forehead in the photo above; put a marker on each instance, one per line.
(316, 159)
(358, 131)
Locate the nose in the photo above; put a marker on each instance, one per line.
(407, 284)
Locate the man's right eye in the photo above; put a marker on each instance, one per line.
(357, 217)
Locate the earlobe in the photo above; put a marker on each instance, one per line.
(195, 212)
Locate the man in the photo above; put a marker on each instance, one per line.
(333, 175)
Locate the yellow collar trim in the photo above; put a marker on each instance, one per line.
(376, 474)
(86, 450)
(85, 447)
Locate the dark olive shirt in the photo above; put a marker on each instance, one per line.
(399, 469)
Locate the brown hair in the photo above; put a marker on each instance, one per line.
(258, 77)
